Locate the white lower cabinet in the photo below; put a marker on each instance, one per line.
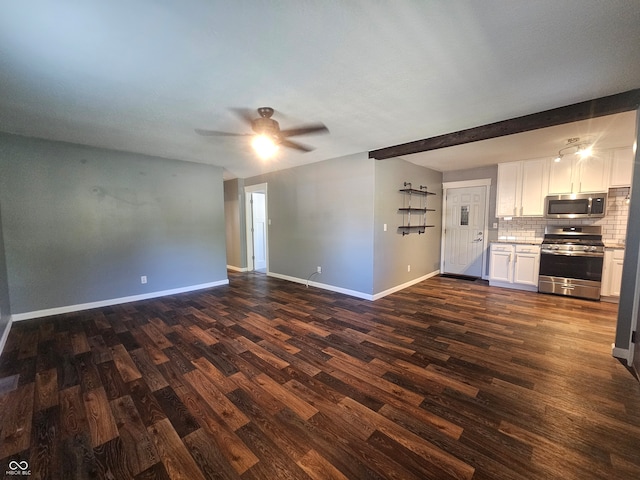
(612, 273)
(527, 265)
(500, 269)
(514, 266)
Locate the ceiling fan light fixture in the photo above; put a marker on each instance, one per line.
(267, 136)
(264, 146)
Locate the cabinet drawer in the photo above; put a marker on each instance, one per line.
(527, 249)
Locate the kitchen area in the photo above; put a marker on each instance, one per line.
(562, 222)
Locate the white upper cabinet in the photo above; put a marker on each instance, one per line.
(508, 189)
(579, 175)
(594, 173)
(621, 167)
(535, 176)
(561, 175)
(521, 188)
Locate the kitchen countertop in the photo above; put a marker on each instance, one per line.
(512, 242)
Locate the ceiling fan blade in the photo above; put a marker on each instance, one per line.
(313, 128)
(295, 145)
(246, 114)
(215, 133)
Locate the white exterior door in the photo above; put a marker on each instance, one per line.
(465, 220)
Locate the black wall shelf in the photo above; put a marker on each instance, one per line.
(418, 212)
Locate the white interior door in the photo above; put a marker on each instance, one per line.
(259, 231)
(257, 227)
(465, 226)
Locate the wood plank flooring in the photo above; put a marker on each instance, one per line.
(267, 379)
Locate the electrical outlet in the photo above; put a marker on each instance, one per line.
(384, 226)
(408, 268)
(319, 269)
(143, 279)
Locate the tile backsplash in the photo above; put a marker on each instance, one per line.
(531, 229)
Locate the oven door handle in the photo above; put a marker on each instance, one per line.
(572, 254)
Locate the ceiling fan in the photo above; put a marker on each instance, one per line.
(267, 133)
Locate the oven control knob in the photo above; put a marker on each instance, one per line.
(586, 248)
(556, 247)
(594, 248)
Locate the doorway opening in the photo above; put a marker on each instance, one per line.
(257, 228)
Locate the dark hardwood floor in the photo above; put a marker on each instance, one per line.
(266, 379)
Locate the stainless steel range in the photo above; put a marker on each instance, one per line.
(571, 261)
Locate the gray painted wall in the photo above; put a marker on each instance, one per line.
(392, 251)
(491, 172)
(5, 306)
(322, 215)
(629, 287)
(83, 224)
(234, 220)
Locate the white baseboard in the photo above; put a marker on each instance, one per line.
(621, 353)
(237, 269)
(610, 299)
(397, 288)
(5, 334)
(353, 293)
(113, 301)
(324, 286)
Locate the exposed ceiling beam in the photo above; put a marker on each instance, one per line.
(621, 102)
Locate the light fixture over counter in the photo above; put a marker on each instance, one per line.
(576, 146)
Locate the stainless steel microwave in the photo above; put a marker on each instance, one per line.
(575, 205)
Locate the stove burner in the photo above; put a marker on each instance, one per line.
(573, 240)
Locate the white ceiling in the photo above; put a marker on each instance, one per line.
(141, 75)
